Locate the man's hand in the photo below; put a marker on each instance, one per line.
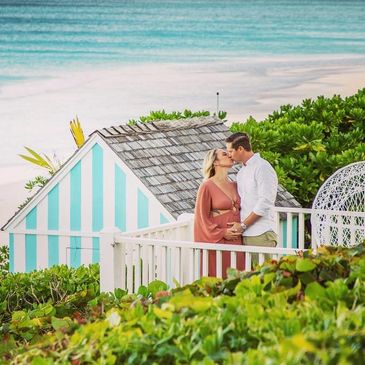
(231, 234)
(235, 227)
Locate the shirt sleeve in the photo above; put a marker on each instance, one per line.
(267, 188)
(205, 230)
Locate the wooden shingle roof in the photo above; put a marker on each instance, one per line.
(167, 157)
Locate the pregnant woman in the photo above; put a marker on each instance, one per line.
(217, 204)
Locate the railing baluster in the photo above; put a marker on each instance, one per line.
(205, 263)
(301, 231)
(122, 248)
(137, 270)
(151, 263)
(178, 265)
(144, 265)
(278, 230)
(248, 261)
(164, 264)
(158, 262)
(190, 266)
(218, 263)
(129, 261)
(289, 230)
(234, 259)
(196, 264)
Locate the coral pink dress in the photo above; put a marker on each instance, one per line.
(211, 228)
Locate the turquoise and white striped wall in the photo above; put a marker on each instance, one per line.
(94, 190)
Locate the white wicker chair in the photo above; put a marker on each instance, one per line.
(338, 216)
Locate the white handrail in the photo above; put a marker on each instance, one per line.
(128, 262)
(205, 245)
(159, 228)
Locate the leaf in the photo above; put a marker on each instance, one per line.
(315, 291)
(77, 132)
(186, 299)
(162, 314)
(38, 360)
(304, 265)
(268, 278)
(61, 324)
(294, 291)
(119, 293)
(38, 160)
(156, 286)
(142, 290)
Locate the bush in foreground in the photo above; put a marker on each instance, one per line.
(301, 310)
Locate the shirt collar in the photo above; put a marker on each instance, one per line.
(252, 159)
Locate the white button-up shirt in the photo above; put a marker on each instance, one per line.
(257, 184)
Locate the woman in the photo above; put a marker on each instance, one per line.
(217, 204)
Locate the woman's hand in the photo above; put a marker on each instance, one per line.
(235, 227)
(231, 234)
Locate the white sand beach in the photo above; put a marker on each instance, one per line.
(36, 113)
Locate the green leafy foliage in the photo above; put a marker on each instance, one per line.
(305, 309)
(28, 301)
(163, 115)
(307, 143)
(4, 259)
(37, 182)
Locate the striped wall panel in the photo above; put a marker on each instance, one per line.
(53, 220)
(75, 215)
(11, 252)
(99, 181)
(97, 192)
(87, 206)
(31, 241)
(120, 192)
(64, 219)
(142, 210)
(42, 240)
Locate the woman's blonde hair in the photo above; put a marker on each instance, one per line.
(208, 164)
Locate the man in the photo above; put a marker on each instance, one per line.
(257, 184)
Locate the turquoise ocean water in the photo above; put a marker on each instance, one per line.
(40, 34)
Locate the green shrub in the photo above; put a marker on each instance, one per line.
(306, 309)
(308, 143)
(4, 259)
(163, 115)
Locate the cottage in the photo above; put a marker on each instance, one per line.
(126, 176)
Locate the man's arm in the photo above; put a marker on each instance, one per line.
(267, 183)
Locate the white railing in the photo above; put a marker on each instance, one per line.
(132, 261)
(167, 253)
(288, 218)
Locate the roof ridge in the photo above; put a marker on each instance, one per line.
(159, 125)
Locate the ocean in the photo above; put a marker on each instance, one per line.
(41, 35)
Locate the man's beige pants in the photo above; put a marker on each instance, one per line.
(267, 239)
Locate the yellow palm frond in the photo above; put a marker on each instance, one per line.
(36, 159)
(77, 132)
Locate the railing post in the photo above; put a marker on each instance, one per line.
(189, 230)
(110, 262)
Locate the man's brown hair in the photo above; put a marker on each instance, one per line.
(239, 139)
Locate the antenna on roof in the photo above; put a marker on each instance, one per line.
(217, 102)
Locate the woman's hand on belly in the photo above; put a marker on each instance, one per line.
(231, 234)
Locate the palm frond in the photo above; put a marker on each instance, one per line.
(77, 132)
(36, 159)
